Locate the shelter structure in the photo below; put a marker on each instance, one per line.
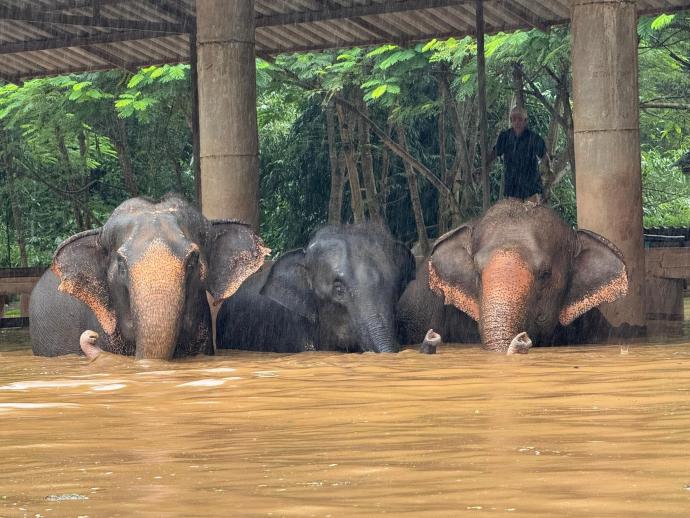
(221, 38)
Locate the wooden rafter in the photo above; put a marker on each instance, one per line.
(77, 41)
(524, 15)
(174, 8)
(111, 58)
(29, 15)
(350, 12)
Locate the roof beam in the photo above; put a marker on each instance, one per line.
(77, 41)
(524, 15)
(110, 58)
(349, 12)
(174, 8)
(29, 15)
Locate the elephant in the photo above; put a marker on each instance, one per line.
(140, 281)
(339, 293)
(518, 268)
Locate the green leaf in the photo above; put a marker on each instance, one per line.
(371, 82)
(396, 57)
(381, 50)
(662, 21)
(430, 45)
(136, 79)
(379, 91)
(79, 86)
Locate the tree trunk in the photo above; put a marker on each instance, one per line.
(464, 120)
(385, 169)
(120, 143)
(335, 200)
(518, 98)
(352, 173)
(443, 200)
(396, 148)
(368, 168)
(17, 218)
(83, 176)
(569, 128)
(414, 197)
(178, 175)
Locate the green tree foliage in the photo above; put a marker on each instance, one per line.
(404, 121)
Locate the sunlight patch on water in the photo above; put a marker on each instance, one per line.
(33, 406)
(265, 374)
(112, 386)
(157, 373)
(39, 384)
(203, 383)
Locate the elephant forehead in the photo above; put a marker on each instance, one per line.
(537, 249)
(156, 265)
(330, 253)
(136, 236)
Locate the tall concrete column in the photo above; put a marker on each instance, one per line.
(229, 147)
(607, 138)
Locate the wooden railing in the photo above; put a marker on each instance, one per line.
(17, 281)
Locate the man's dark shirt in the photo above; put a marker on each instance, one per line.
(522, 178)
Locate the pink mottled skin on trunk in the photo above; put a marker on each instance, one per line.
(156, 286)
(506, 284)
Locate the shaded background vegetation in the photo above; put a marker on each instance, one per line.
(384, 133)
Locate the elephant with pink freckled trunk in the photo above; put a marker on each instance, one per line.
(140, 281)
(518, 268)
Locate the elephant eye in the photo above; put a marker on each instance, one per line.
(193, 261)
(544, 275)
(121, 265)
(339, 289)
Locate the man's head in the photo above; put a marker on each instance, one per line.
(518, 120)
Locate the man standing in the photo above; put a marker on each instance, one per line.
(520, 149)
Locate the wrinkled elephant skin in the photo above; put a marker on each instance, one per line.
(518, 268)
(140, 281)
(339, 293)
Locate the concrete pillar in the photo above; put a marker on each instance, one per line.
(229, 147)
(607, 139)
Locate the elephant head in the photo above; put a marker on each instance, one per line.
(521, 268)
(145, 274)
(346, 282)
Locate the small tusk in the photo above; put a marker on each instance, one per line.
(520, 344)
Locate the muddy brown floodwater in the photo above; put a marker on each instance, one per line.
(569, 431)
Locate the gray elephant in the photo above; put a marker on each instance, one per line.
(518, 268)
(339, 293)
(140, 281)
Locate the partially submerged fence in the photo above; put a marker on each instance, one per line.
(17, 281)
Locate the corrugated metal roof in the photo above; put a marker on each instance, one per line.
(46, 37)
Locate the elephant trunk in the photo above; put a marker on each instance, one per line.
(157, 293)
(377, 332)
(506, 284)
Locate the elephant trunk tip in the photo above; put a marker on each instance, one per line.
(520, 344)
(431, 340)
(87, 342)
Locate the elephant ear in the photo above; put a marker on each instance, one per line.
(233, 252)
(288, 284)
(452, 273)
(599, 275)
(80, 264)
